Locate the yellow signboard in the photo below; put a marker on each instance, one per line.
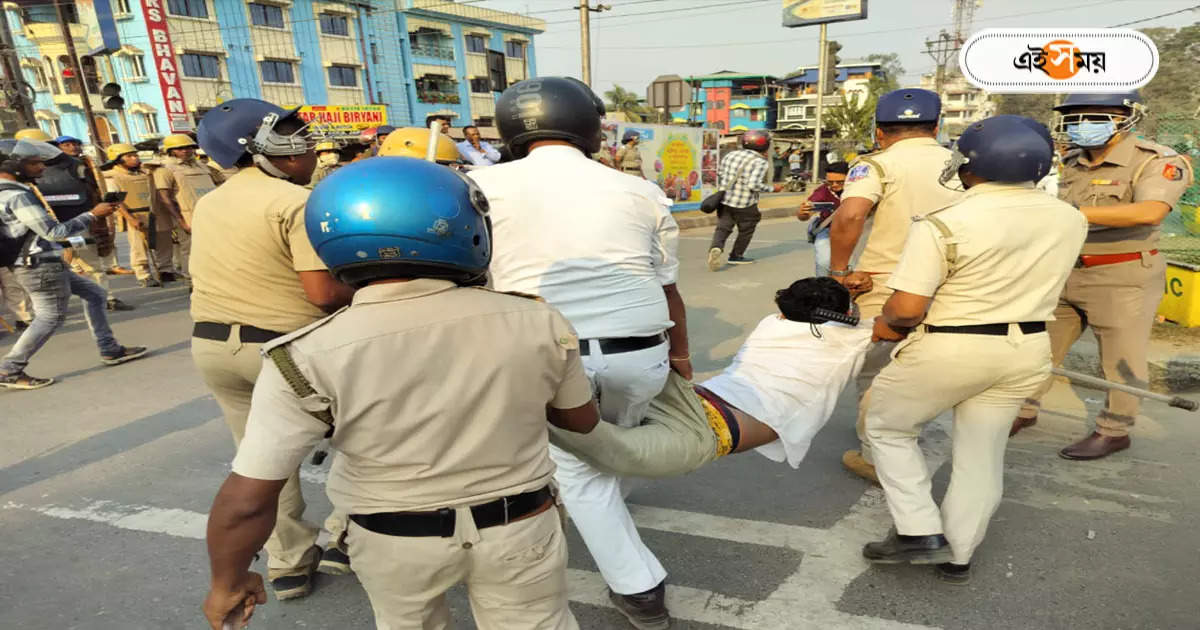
(1181, 295)
(809, 12)
(344, 118)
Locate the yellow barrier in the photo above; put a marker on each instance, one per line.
(1181, 295)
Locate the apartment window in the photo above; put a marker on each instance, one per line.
(149, 123)
(55, 128)
(343, 76)
(374, 52)
(756, 114)
(428, 42)
(335, 25)
(481, 86)
(54, 85)
(277, 71)
(794, 111)
(136, 65)
(188, 8)
(738, 113)
(476, 44)
(514, 49)
(121, 7)
(201, 66)
(266, 15)
(496, 71)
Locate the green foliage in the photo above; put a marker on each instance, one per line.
(853, 118)
(628, 103)
(1039, 107)
(892, 71)
(1171, 94)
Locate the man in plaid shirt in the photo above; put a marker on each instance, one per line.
(40, 269)
(742, 175)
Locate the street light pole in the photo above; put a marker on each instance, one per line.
(12, 75)
(84, 97)
(585, 36)
(816, 165)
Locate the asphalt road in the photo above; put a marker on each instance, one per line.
(107, 475)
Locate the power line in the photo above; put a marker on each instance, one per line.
(1191, 8)
(741, 3)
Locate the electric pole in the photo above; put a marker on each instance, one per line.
(14, 82)
(585, 36)
(821, 79)
(941, 50)
(84, 97)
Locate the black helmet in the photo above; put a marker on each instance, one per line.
(549, 108)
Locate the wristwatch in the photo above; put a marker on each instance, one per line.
(840, 274)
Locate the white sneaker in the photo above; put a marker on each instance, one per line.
(714, 259)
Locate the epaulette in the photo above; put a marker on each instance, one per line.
(527, 296)
(296, 334)
(947, 234)
(1161, 149)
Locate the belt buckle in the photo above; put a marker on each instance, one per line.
(444, 518)
(504, 502)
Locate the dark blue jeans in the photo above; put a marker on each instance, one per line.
(50, 286)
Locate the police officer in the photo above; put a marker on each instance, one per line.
(629, 159)
(180, 184)
(438, 392)
(327, 161)
(255, 278)
(974, 286)
(600, 246)
(1125, 186)
(889, 188)
(150, 227)
(103, 233)
(414, 142)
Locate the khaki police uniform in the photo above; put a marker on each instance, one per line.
(438, 395)
(138, 186)
(186, 182)
(1000, 255)
(902, 182)
(629, 160)
(250, 244)
(321, 172)
(1118, 282)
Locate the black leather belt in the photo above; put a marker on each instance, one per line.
(220, 332)
(441, 522)
(988, 329)
(617, 345)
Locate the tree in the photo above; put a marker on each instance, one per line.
(1039, 107)
(892, 70)
(853, 118)
(1171, 94)
(626, 102)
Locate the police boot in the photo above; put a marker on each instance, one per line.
(117, 305)
(900, 549)
(646, 610)
(1095, 446)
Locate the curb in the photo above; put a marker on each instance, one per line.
(705, 220)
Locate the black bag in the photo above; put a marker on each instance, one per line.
(12, 249)
(710, 203)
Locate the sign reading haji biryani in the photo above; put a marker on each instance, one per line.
(1058, 60)
(345, 118)
(809, 12)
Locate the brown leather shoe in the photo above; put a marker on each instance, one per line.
(646, 610)
(1095, 446)
(119, 271)
(855, 463)
(1021, 423)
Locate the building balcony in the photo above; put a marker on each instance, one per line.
(73, 101)
(437, 96)
(50, 34)
(433, 51)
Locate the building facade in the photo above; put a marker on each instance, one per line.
(962, 103)
(730, 102)
(177, 59)
(797, 101)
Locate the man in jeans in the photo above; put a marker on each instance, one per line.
(40, 269)
(742, 174)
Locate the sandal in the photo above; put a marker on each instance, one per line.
(21, 380)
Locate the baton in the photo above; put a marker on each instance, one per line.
(1099, 383)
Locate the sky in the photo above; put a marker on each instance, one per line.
(693, 37)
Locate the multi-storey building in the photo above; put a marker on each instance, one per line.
(730, 102)
(962, 103)
(798, 101)
(177, 59)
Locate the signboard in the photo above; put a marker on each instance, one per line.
(178, 118)
(809, 12)
(1058, 60)
(681, 160)
(102, 35)
(344, 118)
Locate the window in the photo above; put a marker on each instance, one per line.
(91, 74)
(121, 7)
(481, 86)
(149, 123)
(428, 42)
(136, 65)
(266, 15)
(756, 114)
(188, 8)
(485, 121)
(202, 66)
(343, 76)
(496, 71)
(54, 86)
(39, 78)
(515, 49)
(794, 111)
(475, 44)
(277, 71)
(437, 88)
(738, 113)
(55, 129)
(335, 25)
(374, 53)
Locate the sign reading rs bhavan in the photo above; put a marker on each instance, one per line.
(344, 118)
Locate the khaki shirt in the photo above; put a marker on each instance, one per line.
(629, 159)
(908, 187)
(248, 243)
(186, 181)
(438, 393)
(1164, 177)
(1016, 246)
(138, 187)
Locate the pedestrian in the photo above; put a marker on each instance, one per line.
(601, 247)
(149, 232)
(975, 285)
(1125, 186)
(382, 133)
(327, 161)
(629, 158)
(442, 457)
(796, 164)
(256, 278)
(179, 184)
(475, 151)
(779, 161)
(445, 121)
(742, 174)
(27, 221)
(14, 297)
(889, 187)
(829, 195)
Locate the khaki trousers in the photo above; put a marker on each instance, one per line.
(139, 253)
(14, 295)
(983, 378)
(183, 249)
(879, 354)
(1119, 302)
(87, 261)
(515, 574)
(230, 369)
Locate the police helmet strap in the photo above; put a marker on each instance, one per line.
(956, 161)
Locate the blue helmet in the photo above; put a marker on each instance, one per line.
(909, 105)
(400, 217)
(1077, 126)
(629, 135)
(61, 139)
(240, 126)
(1003, 149)
(1118, 99)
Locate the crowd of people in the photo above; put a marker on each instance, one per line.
(488, 350)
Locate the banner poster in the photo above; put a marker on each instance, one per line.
(682, 161)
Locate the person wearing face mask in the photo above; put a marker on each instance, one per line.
(1125, 186)
(327, 161)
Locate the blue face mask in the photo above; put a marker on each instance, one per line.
(1090, 134)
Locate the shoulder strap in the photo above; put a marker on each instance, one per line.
(1137, 173)
(296, 380)
(951, 244)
